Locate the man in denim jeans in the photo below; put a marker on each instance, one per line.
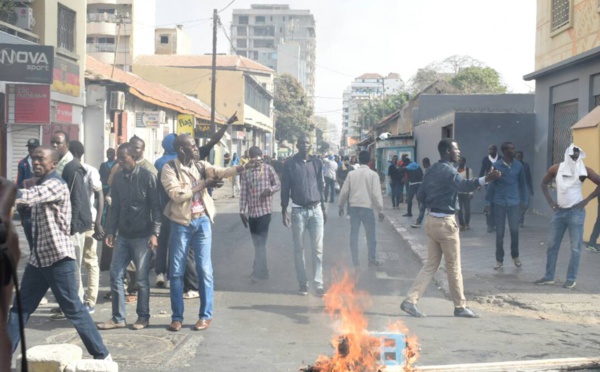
(507, 197)
(302, 181)
(362, 190)
(135, 215)
(569, 211)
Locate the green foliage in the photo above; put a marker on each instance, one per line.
(292, 110)
(371, 112)
(478, 80)
(7, 11)
(322, 145)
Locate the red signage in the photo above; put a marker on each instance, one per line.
(63, 113)
(27, 104)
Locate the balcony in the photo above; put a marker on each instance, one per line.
(108, 24)
(102, 28)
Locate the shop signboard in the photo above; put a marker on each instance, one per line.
(27, 104)
(26, 63)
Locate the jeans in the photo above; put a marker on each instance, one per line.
(596, 230)
(412, 191)
(443, 239)
(199, 234)
(365, 216)
(396, 193)
(562, 220)
(162, 251)
(27, 229)
(464, 211)
(126, 251)
(329, 189)
(490, 218)
(90, 263)
(311, 220)
(259, 230)
(61, 278)
(513, 213)
(190, 276)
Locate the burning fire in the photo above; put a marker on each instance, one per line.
(355, 348)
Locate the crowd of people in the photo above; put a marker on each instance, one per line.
(158, 216)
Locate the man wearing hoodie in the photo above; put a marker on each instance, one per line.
(414, 176)
(569, 210)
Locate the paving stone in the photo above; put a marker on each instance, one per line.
(51, 358)
(92, 365)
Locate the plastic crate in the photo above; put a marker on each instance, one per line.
(391, 348)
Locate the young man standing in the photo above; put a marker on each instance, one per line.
(414, 178)
(426, 166)
(396, 178)
(486, 166)
(52, 262)
(569, 210)
(507, 197)
(362, 190)
(439, 190)
(257, 187)
(330, 169)
(464, 198)
(303, 183)
(105, 169)
(529, 181)
(135, 215)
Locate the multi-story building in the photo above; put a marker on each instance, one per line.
(42, 62)
(120, 30)
(243, 86)
(280, 38)
(171, 41)
(364, 88)
(567, 80)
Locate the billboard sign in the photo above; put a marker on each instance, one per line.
(27, 104)
(26, 63)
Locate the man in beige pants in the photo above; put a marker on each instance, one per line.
(439, 193)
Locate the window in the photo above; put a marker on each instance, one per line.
(596, 101)
(242, 53)
(260, 19)
(108, 11)
(565, 115)
(66, 28)
(106, 40)
(260, 43)
(243, 20)
(447, 131)
(264, 31)
(242, 31)
(164, 39)
(561, 14)
(242, 43)
(89, 40)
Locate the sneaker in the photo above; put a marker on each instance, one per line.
(320, 292)
(55, 310)
(303, 290)
(88, 308)
(543, 281)
(464, 312)
(416, 225)
(411, 309)
(592, 248)
(191, 294)
(108, 358)
(44, 301)
(58, 316)
(160, 281)
(517, 262)
(569, 284)
(498, 266)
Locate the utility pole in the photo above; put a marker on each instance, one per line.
(213, 88)
(119, 22)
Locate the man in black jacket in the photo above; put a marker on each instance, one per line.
(135, 214)
(486, 167)
(302, 181)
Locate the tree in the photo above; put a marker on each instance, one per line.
(292, 111)
(371, 112)
(322, 145)
(478, 80)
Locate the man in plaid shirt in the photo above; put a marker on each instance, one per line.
(256, 202)
(52, 261)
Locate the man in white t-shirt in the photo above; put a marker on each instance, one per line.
(330, 169)
(93, 186)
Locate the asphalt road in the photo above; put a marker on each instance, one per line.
(267, 327)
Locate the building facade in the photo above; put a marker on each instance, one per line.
(172, 41)
(280, 38)
(120, 30)
(42, 61)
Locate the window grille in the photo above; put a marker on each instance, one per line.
(561, 10)
(596, 98)
(565, 115)
(66, 28)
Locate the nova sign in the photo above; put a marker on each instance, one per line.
(26, 63)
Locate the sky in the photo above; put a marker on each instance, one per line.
(383, 36)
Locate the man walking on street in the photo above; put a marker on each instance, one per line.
(414, 176)
(486, 167)
(569, 210)
(439, 192)
(52, 263)
(330, 168)
(24, 173)
(464, 198)
(529, 181)
(60, 141)
(303, 183)
(362, 190)
(396, 175)
(507, 197)
(105, 169)
(191, 211)
(256, 202)
(135, 216)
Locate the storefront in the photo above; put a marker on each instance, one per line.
(394, 145)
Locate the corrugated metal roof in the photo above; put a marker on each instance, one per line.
(233, 62)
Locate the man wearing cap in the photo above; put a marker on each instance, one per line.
(25, 172)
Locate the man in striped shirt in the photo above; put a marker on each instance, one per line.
(52, 261)
(256, 202)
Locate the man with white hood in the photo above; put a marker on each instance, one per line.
(569, 210)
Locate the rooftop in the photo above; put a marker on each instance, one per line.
(224, 62)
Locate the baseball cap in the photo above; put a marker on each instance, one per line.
(33, 142)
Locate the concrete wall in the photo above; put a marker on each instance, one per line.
(588, 139)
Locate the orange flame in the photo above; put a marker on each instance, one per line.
(355, 348)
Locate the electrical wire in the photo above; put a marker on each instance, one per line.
(228, 5)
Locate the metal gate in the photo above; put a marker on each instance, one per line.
(565, 115)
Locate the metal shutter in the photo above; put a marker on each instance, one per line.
(18, 135)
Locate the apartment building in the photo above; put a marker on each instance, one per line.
(280, 38)
(120, 30)
(42, 62)
(364, 88)
(172, 40)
